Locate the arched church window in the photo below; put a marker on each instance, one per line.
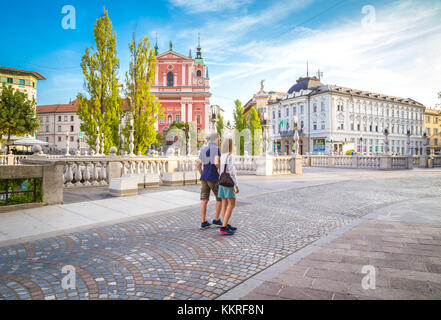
(199, 73)
(170, 79)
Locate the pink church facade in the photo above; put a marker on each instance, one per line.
(182, 86)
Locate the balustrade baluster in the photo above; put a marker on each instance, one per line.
(68, 176)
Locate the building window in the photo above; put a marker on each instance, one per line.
(65, 118)
(198, 119)
(169, 119)
(315, 107)
(22, 82)
(170, 79)
(436, 142)
(287, 112)
(358, 127)
(178, 118)
(47, 139)
(315, 126)
(302, 124)
(428, 131)
(323, 125)
(59, 139)
(71, 139)
(322, 106)
(199, 73)
(376, 128)
(428, 119)
(59, 118)
(71, 118)
(59, 128)
(352, 127)
(302, 109)
(47, 128)
(71, 128)
(435, 131)
(294, 110)
(10, 80)
(47, 119)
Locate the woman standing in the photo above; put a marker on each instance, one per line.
(228, 195)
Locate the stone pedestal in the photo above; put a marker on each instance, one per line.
(123, 187)
(52, 185)
(296, 164)
(423, 162)
(151, 180)
(386, 163)
(264, 165)
(190, 178)
(139, 177)
(354, 163)
(173, 178)
(409, 162)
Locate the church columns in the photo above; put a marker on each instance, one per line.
(183, 118)
(190, 112)
(184, 69)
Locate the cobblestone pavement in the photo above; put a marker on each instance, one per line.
(406, 261)
(168, 257)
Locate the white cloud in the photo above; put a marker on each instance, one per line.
(400, 58)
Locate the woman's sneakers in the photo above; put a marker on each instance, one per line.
(231, 228)
(216, 223)
(225, 231)
(205, 225)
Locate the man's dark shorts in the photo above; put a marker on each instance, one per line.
(206, 187)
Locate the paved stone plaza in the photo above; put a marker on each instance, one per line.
(325, 224)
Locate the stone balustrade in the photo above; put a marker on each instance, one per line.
(11, 159)
(282, 165)
(358, 162)
(245, 165)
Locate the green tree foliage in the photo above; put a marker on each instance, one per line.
(145, 109)
(220, 125)
(17, 114)
(102, 105)
(240, 123)
(256, 131)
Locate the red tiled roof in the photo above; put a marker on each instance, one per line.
(22, 72)
(63, 108)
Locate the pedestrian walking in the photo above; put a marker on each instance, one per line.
(208, 167)
(228, 186)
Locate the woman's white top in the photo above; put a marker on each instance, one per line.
(229, 160)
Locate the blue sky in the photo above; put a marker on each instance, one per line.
(243, 41)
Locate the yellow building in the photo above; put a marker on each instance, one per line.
(22, 80)
(432, 125)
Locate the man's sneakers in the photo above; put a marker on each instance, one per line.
(217, 223)
(205, 225)
(226, 231)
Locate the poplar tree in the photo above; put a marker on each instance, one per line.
(220, 125)
(240, 123)
(145, 109)
(17, 114)
(102, 105)
(256, 131)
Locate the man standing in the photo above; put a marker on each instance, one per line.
(209, 158)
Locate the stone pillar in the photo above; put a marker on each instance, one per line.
(52, 184)
(190, 113)
(409, 162)
(386, 163)
(114, 170)
(296, 164)
(183, 117)
(354, 162)
(264, 165)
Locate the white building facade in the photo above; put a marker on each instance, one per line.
(332, 117)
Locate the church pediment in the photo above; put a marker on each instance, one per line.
(171, 55)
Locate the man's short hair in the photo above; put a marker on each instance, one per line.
(212, 137)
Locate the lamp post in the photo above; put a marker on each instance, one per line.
(408, 143)
(67, 144)
(131, 139)
(296, 136)
(386, 142)
(361, 147)
(97, 142)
